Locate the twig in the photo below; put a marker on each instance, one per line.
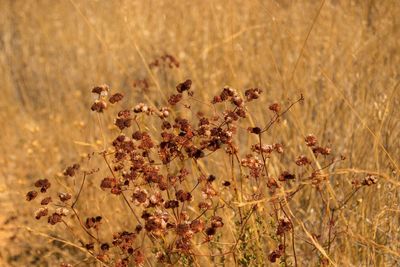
(80, 190)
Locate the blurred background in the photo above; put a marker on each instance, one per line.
(343, 56)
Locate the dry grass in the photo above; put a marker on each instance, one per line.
(343, 56)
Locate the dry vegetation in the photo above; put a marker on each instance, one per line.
(338, 209)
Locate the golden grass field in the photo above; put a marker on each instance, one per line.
(342, 55)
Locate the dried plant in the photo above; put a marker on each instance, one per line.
(179, 208)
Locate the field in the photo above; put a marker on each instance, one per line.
(268, 134)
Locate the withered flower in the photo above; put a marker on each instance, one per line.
(44, 184)
(183, 196)
(31, 195)
(254, 130)
(146, 142)
(183, 229)
(41, 213)
(197, 226)
(93, 222)
(62, 211)
(302, 160)
(252, 94)
(163, 113)
(210, 231)
(138, 228)
(105, 247)
(45, 201)
(284, 225)
(211, 178)
(137, 135)
(185, 86)
(71, 170)
(140, 195)
(64, 196)
(208, 191)
(310, 140)
(237, 101)
(275, 107)
(154, 200)
(143, 108)
(226, 183)
(216, 222)
(204, 205)
(369, 180)
(116, 98)
(274, 255)
(277, 253)
(321, 150)
(286, 176)
(216, 99)
(108, 183)
(54, 218)
(174, 99)
(272, 184)
(101, 89)
(171, 204)
(124, 119)
(166, 125)
(116, 190)
(278, 147)
(99, 106)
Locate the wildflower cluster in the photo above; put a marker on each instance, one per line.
(174, 200)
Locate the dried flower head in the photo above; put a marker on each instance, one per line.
(71, 170)
(254, 130)
(116, 98)
(31, 195)
(183, 196)
(45, 201)
(99, 106)
(284, 226)
(369, 180)
(44, 184)
(210, 231)
(310, 140)
(185, 86)
(302, 160)
(101, 90)
(54, 218)
(252, 94)
(93, 222)
(62, 211)
(321, 150)
(174, 99)
(64, 196)
(286, 176)
(216, 222)
(41, 213)
(275, 107)
(226, 183)
(124, 119)
(197, 226)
